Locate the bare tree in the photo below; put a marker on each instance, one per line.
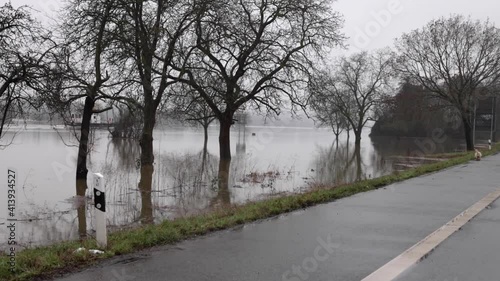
(22, 51)
(328, 116)
(201, 113)
(128, 124)
(261, 52)
(453, 58)
(186, 105)
(82, 69)
(358, 84)
(150, 33)
(86, 29)
(196, 112)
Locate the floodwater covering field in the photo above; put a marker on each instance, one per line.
(267, 162)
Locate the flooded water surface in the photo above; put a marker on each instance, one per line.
(266, 162)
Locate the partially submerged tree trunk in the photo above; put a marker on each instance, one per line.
(147, 156)
(147, 169)
(81, 166)
(254, 72)
(152, 36)
(224, 195)
(225, 136)
(145, 185)
(225, 154)
(83, 148)
(81, 213)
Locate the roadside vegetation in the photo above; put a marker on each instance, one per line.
(48, 261)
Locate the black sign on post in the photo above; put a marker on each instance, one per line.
(99, 200)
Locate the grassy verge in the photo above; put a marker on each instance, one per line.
(46, 261)
(449, 155)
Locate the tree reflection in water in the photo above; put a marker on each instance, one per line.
(344, 163)
(176, 185)
(188, 183)
(189, 179)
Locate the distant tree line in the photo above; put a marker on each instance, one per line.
(414, 112)
(445, 68)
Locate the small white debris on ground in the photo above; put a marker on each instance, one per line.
(95, 252)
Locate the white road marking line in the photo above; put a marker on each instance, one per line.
(419, 251)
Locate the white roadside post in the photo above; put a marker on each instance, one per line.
(100, 211)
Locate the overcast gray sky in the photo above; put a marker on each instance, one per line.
(370, 24)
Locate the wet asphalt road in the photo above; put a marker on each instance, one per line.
(345, 240)
(470, 254)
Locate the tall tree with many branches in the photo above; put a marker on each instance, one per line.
(356, 86)
(23, 49)
(262, 52)
(189, 107)
(455, 59)
(150, 34)
(327, 115)
(83, 69)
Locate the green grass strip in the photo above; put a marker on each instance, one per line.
(47, 261)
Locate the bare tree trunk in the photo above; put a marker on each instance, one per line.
(147, 156)
(225, 156)
(145, 185)
(4, 115)
(224, 138)
(359, 171)
(205, 149)
(204, 154)
(205, 142)
(81, 164)
(81, 213)
(469, 141)
(224, 195)
(147, 169)
(357, 134)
